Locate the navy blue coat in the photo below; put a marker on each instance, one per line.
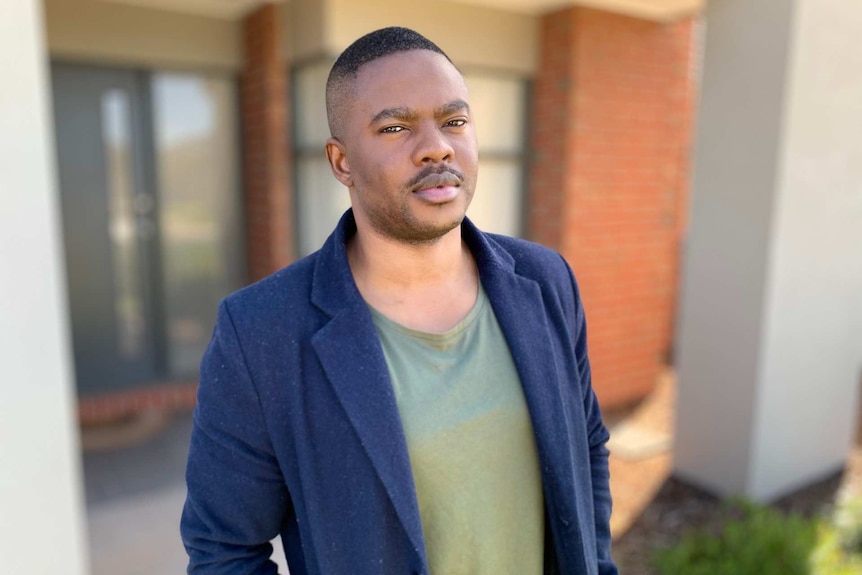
(296, 430)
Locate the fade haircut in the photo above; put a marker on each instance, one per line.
(377, 44)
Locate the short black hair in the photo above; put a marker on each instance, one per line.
(368, 48)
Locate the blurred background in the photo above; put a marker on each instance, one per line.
(696, 162)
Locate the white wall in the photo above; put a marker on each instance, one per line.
(41, 512)
(724, 274)
(770, 338)
(812, 355)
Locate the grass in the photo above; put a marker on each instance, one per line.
(756, 539)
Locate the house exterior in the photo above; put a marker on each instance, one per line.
(158, 154)
(190, 162)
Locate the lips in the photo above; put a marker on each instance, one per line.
(440, 195)
(437, 185)
(443, 180)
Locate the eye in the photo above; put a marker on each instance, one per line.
(456, 123)
(391, 129)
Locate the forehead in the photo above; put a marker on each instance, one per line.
(417, 79)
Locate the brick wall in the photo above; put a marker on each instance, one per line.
(608, 180)
(266, 146)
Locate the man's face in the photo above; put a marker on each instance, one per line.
(408, 153)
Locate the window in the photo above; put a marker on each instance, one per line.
(194, 118)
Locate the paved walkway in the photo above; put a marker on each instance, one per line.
(135, 495)
(137, 535)
(641, 453)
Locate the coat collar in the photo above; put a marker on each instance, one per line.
(351, 355)
(349, 349)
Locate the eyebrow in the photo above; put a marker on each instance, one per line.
(408, 115)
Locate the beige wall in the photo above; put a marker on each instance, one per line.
(656, 10)
(86, 30)
(304, 23)
(473, 36)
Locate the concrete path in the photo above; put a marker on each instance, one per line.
(135, 495)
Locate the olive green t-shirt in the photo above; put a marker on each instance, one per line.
(471, 445)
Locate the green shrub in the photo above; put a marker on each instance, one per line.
(839, 549)
(848, 522)
(757, 541)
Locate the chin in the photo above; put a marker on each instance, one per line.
(428, 232)
(417, 225)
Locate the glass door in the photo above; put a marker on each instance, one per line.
(110, 225)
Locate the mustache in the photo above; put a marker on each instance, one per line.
(431, 177)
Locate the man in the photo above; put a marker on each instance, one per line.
(415, 397)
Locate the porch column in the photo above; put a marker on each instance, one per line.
(611, 126)
(266, 145)
(770, 346)
(42, 527)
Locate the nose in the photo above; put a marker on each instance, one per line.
(432, 147)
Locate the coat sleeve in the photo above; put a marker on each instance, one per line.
(597, 436)
(237, 498)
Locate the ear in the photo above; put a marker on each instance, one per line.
(337, 157)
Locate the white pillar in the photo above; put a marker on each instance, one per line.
(42, 528)
(770, 338)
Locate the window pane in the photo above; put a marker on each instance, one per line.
(498, 104)
(196, 159)
(322, 202)
(309, 88)
(125, 255)
(496, 205)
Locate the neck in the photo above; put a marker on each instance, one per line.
(387, 263)
(429, 287)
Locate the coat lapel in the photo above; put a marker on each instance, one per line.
(521, 312)
(349, 350)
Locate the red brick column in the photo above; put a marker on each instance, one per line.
(266, 146)
(608, 180)
(552, 134)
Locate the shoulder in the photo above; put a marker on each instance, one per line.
(282, 294)
(542, 265)
(530, 259)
